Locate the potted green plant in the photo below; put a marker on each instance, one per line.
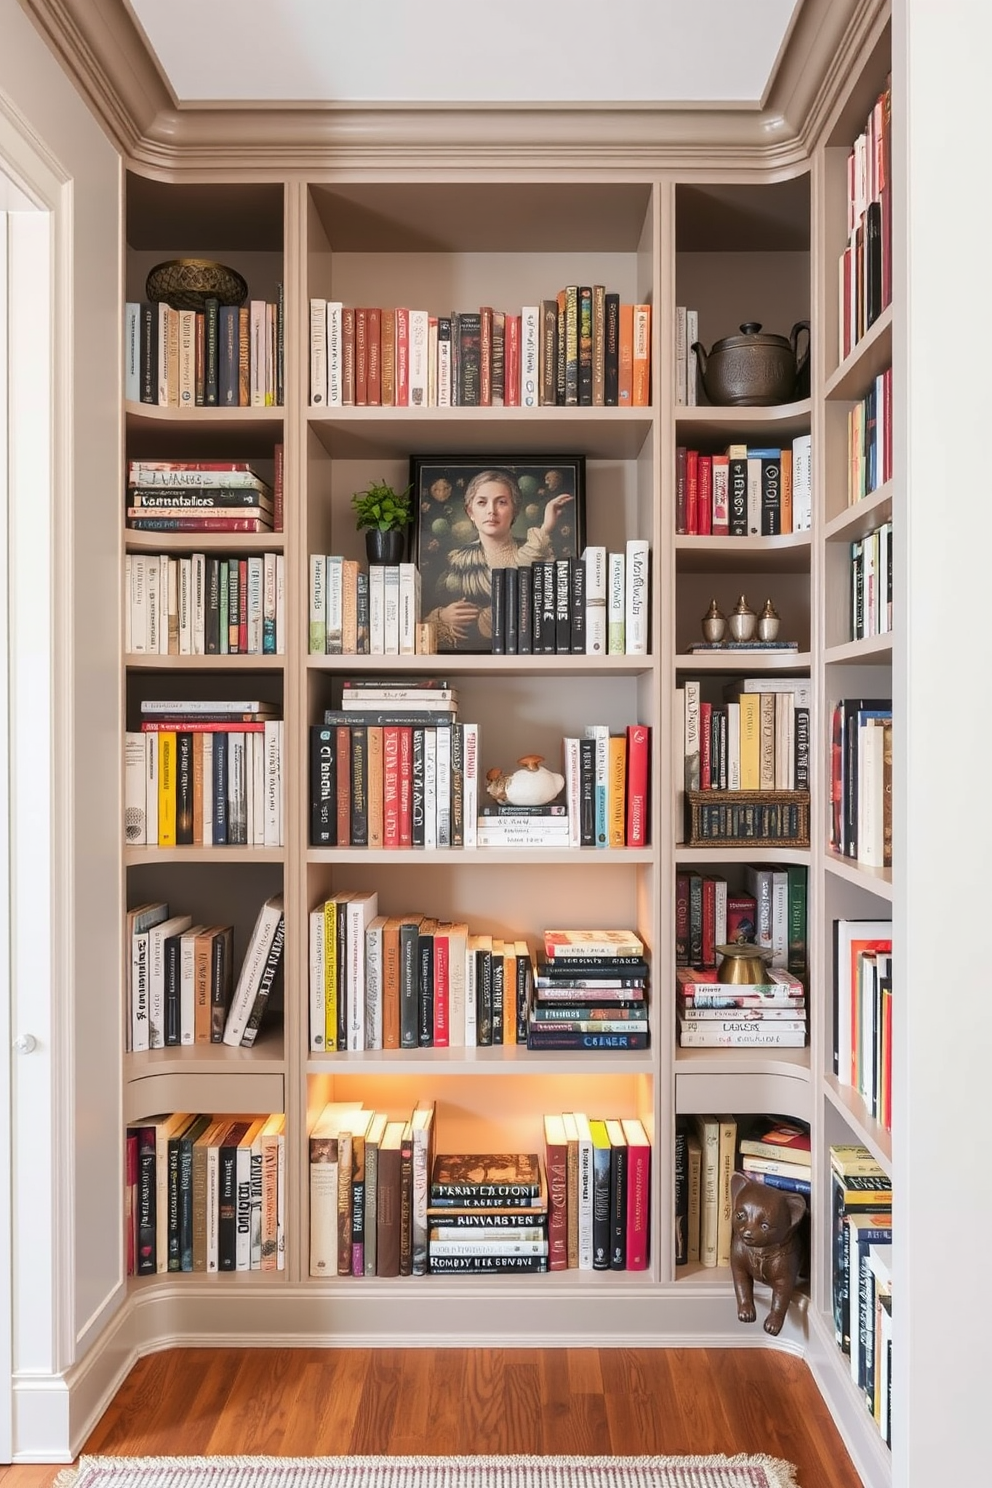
(385, 514)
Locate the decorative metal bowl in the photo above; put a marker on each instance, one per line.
(187, 284)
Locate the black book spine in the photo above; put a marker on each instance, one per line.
(148, 387)
(548, 630)
(227, 1208)
(174, 1261)
(147, 1259)
(802, 749)
(585, 345)
(771, 496)
(525, 610)
(563, 607)
(172, 1003)
(227, 357)
(345, 992)
(186, 1195)
(524, 989)
(362, 614)
(211, 619)
(498, 967)
(359, 785)
(273, 964)
(618, 1208)
(681, 1197)
(537, 608)
(418, 819)
(469, 358)
(587, 792)
(601, 1209)
(873, 263)
(323, 787)
(611, 362)
(498, 602)
(737, 479)
(511, 601)
(220, 984)
(577, 605)
(409, 1000)
(484, 997)
(220, 788)
(425, 991)
(184, 788)
(211, 337)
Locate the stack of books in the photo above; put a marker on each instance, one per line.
(487, 1212)
(199, 496)
(502, 824)
(590, 992)
(714, 1014)
(777, 1153)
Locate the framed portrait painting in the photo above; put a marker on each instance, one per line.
(475, 514)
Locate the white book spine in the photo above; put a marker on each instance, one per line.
(377, 616)
(733, 746)
(359, 912)
(273, 783)
(530, 323)
(444, 372)
(172, 616)
(430, 787)
(135, 769)
(185, 607)
(470, 783)
(165, 587)
(251, 971)
(270, 635)
(334, 348)
(596, 589)
(456, 989)
(316, 970)
(409, 597)
(780, 918)
(187, 988)
(256, 572)
(259, 792)
(443, 776)
(257, 342)
(802, 483)
(678, 752)
(128, 647)
(391, 608)
(471, 1024)
(153, 584)
(187, 358)
(280, 603)
(680, 354)
(418, 358)
(213, 1206)
(636, 605)
(692, 742)
(373, 985)
(585, 1195)
(753, 496)
(691, 379)
(198, 581)
(318, 604)
(571, 771)
(163, 354)
(616, 603)
(139, 604)
(139, 992)
(334, 597)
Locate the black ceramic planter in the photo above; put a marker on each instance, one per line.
(385, 547)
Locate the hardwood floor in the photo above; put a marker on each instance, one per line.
(312, 1402)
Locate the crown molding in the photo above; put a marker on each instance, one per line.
(104, 52)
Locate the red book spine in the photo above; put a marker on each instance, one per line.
(704, 503)
(243, 606)
(194, 726)
(511, 395)
(637, 784)
(692, 492)
(709, 922)
(705, 746)
(201, 523)
(347, 357)
(402, 358)
(390, 786)
(361, 358)
(406, 787)
(485, 356)
(441, 1018)
(373, 334)
(278, 499)
(638, 1205)
(343, 753)
(556, 1167)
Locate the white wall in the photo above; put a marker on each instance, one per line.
(943, 1188)
(71, 1261)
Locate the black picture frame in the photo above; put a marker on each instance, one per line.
(449, 549)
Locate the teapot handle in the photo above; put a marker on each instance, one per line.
(795, 333)
(701, 355)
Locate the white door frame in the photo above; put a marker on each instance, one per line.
(36, 1204)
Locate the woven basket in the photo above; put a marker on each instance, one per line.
(187, 284)
(743, 818)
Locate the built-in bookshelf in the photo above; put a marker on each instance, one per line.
(655, 237)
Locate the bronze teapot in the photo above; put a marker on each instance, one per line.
(755, 371)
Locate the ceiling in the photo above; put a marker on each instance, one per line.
(720, 53)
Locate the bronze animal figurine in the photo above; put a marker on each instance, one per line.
(765, 1246)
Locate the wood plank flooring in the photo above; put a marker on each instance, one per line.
(312, 1402)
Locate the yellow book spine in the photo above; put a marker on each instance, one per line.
(616, 793)
(330, 976)
(166, 788)
(750, 741)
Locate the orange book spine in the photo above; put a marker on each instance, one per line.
(374, 755)
(641, 370)
(374, 337)
(785, 490)
(625, 386)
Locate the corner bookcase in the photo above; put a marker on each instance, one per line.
(737, 243)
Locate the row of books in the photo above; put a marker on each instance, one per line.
(596, 605)
(745, 491)
(598, 1183)
(224, 356)
(758, 738)
(593, 1000)
(581, 348)
(861, 780)
(205, 605)
(711, 1014)
(180, 984)
(861, 1274)
(199, 778)
(871, 584)
(862, 995)
(686, 369)
(708, 1150)
(471, 1186)
(869, 439)
(769, 911)
(205, 1194)
(865, 265)
(359, 611)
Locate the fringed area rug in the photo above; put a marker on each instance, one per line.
(428, 1472)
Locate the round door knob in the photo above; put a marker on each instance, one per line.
(25, 1043)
